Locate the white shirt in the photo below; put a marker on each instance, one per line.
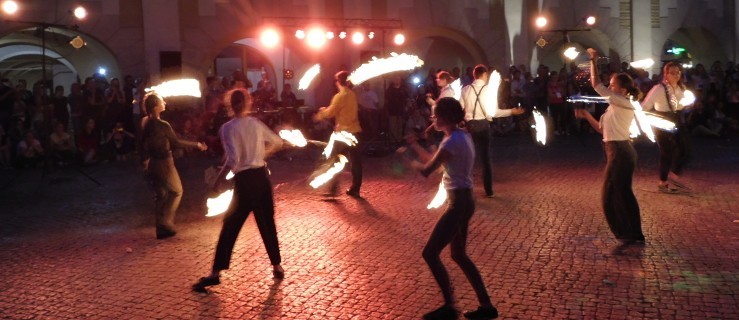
(469, 98)
(657, 99)
(243, 142)
(616, 121)
(458, 171)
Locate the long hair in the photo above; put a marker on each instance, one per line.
(627, 83)
(151, 100)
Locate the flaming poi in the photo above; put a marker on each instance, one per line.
(219, 204)
(294, 137)
(457, 88)
(439, 198)
(642, 121)
(343, 136)
(540, 127)
(309, 76)
(492, 94)
(322, 178)
(688, 98)
(377, 67)
(180, 87)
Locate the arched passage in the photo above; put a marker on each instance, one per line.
(23, 53)
(700, 44)
(441, 47)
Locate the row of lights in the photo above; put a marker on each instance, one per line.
(542, 22)
(10, 7)
(317, 37)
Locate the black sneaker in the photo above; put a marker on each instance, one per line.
(482, 313)
(444, 313)
(353, 194)
(205, 282)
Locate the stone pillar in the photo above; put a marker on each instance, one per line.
(161, 32)
(641, 34)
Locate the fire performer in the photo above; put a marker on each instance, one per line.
(247, 142)
(665, 99)
(476, 106)
(157, 141)
(345, 110)
(619, 203)
(456, 155)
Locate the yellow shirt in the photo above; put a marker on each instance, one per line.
(344, 108)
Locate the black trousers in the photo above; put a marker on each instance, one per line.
(252, 192)
(481, 139)
(619, 203)
(672, 151)
(452, 229)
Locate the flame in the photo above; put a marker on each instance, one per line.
(587, 99)
(688, 98)
(230, 175)
(343, 136)
(571, 53)
(219, 204)
(309, 76)
(540, 125)
(330, 173)
(439, 198)
(642, 120)
(294, 137)
(492, 94)
(660, 123)
(378, 67)
(457, 88)
(643, 64)
(180, 87)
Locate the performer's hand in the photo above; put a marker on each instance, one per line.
(517, 111)
(202, 146)
(593, 53)
(145, 165)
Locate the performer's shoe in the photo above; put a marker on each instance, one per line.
(161, 235)
(205, 282)
(482, 313)
(443, 313)
(353, 194)
(278, 272)
(666, 188)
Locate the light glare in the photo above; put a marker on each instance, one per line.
(270, 38)
(357, 37)
(590, 20)
(541, 22)
(300, 34)
(316, 38)
(10, 7)
(399, 39)
(80, 12)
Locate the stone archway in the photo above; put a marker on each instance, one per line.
(21, 56)
(464, 50)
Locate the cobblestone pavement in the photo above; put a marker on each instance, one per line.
(72, 249)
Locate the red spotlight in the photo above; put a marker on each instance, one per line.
(80, 12)
(371, 35)
(357, 37)
(342, 35)
(399, 39)
(300, 34)
(329, 35)
(270, 38)
(316, 38)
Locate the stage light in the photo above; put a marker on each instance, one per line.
(10, 7)
(371, 35)
(329, 35)
(399, 39)
(300, 34)
(270, 38)
(541, 22)
(357, 37)
(102, 71)
(80, 12)
(571, 53)
(342, 35)
(416, 80)
(590, 20)
(316, 38)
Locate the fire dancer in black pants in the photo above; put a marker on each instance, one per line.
(246, 142)
(456, 155)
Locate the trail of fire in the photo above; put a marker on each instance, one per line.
(308, 77)
(642, 120)
(180, 87)
(439, 198)
(540, 126)
(219, 204)
(344, 137)
(294, 137)
(378, 67)
(321, 179)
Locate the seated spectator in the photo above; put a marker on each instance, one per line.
(60, 144)
(120, 142)
(30, 152)
(88, 142)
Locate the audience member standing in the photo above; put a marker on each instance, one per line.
(396, 99)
